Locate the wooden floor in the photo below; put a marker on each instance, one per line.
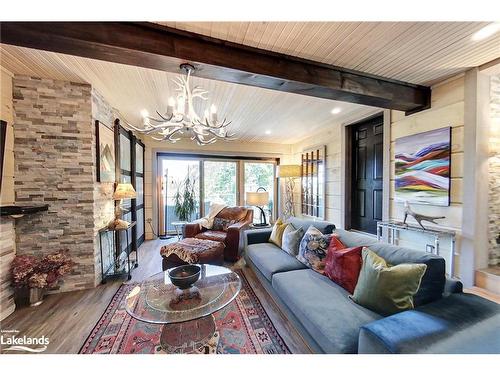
(68, 318)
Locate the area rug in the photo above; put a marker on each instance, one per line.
(242, 327)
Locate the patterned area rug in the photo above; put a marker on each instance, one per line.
(242, 327)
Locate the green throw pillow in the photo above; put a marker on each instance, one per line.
(384, 289)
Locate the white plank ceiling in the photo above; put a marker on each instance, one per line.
(130, 89)
(417, 52)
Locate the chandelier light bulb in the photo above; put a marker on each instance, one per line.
(181, 103)
(144, 113)
(213, 113)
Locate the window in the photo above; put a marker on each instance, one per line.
(219, 183)
(218, 180)
(313, 182)
(257, 175)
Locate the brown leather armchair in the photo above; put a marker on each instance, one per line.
(242, 216)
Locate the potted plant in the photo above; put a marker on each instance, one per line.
(32, 276)
(185, 198)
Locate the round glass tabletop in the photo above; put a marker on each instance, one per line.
(157, 300)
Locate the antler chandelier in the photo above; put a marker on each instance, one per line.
(181, 117)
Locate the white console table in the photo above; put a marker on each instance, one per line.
(395, 227)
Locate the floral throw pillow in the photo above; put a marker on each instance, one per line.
(314, 248)
(222, 224)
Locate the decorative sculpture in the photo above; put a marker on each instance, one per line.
(419, 217)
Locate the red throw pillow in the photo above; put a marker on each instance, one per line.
(336, 244)
(343, 266)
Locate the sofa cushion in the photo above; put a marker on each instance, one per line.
(433, 281)
(384, 289)
(270, 259)
(213, 235)
(323, 226)
(313, 249)
(461, 323)
(353, 239)
(323, 308)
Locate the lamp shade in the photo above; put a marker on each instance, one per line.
(289, 170)
(124, 191)
(259, 198)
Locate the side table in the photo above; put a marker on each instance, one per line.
(179, 225)
(115, 268)
(253, 226)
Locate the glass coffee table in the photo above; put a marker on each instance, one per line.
(186, 315)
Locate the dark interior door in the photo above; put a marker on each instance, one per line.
(367, 173)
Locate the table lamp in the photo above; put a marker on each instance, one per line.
(289, 172)
(259, 199)
(122, 191)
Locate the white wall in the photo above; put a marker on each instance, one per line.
(447, 109)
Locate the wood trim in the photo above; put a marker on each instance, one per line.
(159, 47)
(3, 139)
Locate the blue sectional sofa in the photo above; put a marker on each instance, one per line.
(445, 320)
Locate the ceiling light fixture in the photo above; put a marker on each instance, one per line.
(336, 110)
(181, 117)
(267, 132)
(486, 31)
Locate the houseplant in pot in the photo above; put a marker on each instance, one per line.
(32, 276)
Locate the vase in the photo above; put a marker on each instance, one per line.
(36, 296)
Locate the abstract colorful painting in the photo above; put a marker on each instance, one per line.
(423, 167)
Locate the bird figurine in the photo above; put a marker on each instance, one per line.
(419, 217)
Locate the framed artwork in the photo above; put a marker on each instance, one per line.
(422, 167)
(105, 153)
(3, 134)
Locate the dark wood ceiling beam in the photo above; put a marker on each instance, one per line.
(162, 48)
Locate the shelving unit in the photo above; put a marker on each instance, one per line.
(119, 267)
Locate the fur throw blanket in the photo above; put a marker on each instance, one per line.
(208, 221)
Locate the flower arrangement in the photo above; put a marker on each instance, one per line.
(29, 271)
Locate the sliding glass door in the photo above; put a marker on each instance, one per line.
(219, 183)
(176, 173)
(215, 180)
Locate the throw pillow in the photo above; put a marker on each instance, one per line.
(313, 249)
(222, 224)
(343, 264)
(277, 232)
(385, 289)
(291, 239)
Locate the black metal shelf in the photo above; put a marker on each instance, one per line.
(125, 265)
